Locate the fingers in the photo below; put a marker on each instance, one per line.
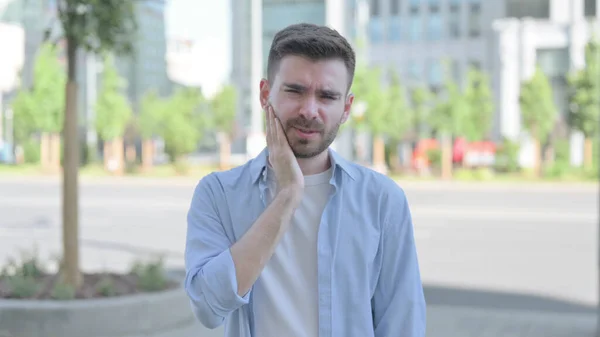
(268, 124)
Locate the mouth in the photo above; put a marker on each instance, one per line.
(306, 133)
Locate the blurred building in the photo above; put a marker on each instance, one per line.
(146, 68)
(505, 38)
(182, 64)
(254, 24)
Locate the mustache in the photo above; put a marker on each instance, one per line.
(303, 123)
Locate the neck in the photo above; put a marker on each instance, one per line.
(317, 164)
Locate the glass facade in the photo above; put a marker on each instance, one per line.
(415, 28)
(277, 14)
(434, 27)
(395, 29)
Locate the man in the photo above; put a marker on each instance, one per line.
(299, 242)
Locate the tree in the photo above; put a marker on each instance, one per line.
(481, 106)
(584, 99)
(538, 112)
(150, 120)
(41, 109)
(95, 26)
(223, 107)
(420, 99)
(399, 117)
(183, 125)
(113, 113)
(450, 117)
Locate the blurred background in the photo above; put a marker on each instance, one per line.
(485, 111)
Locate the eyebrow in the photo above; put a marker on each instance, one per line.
(326, 92)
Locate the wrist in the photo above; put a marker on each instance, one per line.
(290, 195)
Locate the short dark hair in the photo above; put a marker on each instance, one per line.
(313, 42)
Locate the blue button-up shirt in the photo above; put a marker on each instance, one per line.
(369, 283)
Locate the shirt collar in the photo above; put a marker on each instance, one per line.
(259, 164)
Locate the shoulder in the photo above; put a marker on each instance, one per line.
(218, 182)
(376, 183)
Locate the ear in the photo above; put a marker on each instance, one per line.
(265, 90)
(347, 107)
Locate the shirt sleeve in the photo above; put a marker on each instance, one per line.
(398, 303)
(210, 280)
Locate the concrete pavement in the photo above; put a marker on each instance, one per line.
(497, 260)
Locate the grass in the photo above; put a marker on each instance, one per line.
(485, 175)
(161, 171)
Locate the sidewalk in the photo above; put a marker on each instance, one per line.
(450, 321)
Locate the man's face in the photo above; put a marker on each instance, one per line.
(310, 99)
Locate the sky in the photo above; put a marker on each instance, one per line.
(207, 23)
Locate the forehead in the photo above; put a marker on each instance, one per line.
(328, 73)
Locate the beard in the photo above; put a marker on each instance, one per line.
(308, 148)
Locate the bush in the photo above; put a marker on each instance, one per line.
(151, 276)
(507, 157)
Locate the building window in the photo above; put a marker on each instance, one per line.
(474, 19)
(434, 6)
(395, 7)
(375, 8)
(376, 31)
(415, 71)
(455, 71)
(434, 29)
(415, 28)
(435, 73)
(414, 6)
(475, 65)
(538, 9)
(395, 30)
(590, 9)
(454, 21)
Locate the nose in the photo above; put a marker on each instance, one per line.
(309, 108)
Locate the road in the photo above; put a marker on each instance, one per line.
(496, 260)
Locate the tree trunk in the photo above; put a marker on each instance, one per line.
(147, 155)
(55, 152)
(446, 157)
(224, 152)
(537, 158)
(45, 151)
(70, 206)
(588, 153)
(113, 156)
(379, 155)
(118, 155)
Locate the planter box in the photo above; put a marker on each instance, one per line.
(145, 314)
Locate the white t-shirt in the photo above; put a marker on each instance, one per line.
(286, 294)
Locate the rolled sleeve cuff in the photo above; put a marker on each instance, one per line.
(219, 279)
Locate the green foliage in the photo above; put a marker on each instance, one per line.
(507, 156)
(22, 286)
(151, 276)
(420, 98)
(106, 287)
(397, 118)
(584, 97)
(31, 151)
(22, 276)
(538, 111)
(183, 125)
(41, 108)
(151, 115)
(113, 111)
(451, 115)
(223, 107)
(367, 88)
(481, 106)
(98, 25)
(434, 156)
(62, 291)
